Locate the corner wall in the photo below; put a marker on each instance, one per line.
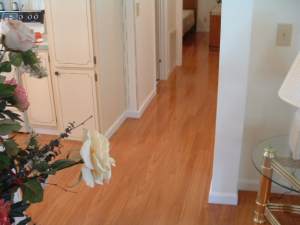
(112, 75)
(145, 52)
(233, 76)
(140, 55)
(203, 20)
(266, 114)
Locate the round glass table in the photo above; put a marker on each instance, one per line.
(280, 152)
(273, 160)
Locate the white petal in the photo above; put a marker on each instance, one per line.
(88, 177)
(99, 179)
(85, 152)
(3, 28)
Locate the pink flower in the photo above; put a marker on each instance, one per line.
(4, 212)
(20, 95)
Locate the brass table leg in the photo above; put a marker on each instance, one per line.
(265, 188)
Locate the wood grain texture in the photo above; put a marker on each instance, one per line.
(190, 4)
(215, 32)
(164, 161)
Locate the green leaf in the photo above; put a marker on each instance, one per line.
(33, 143)
(13, 116)
(63, 164)
(11, 147)
(25, 221)
(4, 161)
(7, 90)
(18, 209)
(2, 79)
(33, 191)
(29, 58)
(41, 166)
(5, 67)
(16, 58)
(8, 126)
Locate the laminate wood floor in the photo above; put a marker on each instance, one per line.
(164, 161)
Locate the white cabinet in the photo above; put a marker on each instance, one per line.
(70, 35)
(78, 30)
(41, 112)
(76, 98)
(69, 24)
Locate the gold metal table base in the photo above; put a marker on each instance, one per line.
(264, 209)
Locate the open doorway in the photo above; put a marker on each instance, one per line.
(184, 23)
(201, 19)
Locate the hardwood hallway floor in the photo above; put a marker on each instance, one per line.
(164, 161)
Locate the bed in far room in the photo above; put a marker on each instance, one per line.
(189, 21)
(189, 16)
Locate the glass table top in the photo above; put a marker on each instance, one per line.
(280, 147)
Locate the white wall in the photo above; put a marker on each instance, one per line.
(145, 52)
(171, 15)
(266, 114)
(204, 8)
(112, 75)
(172, 35)
(234, 63)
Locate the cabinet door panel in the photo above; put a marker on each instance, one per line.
(70, 32)
(40, 94)
(77, 99)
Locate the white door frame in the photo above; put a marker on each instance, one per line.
(130, 46)
(130, 66)
(179, 25)
(163, 40)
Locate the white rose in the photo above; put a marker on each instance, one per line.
(97, 161)
(18, 36)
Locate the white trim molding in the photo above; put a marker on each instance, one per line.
(163, 39)
(130, 114)
(223, 198)
(116, 125)
(130, 52)
(139, 113)
(179, 25)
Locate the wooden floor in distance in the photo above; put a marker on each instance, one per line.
(164, 161)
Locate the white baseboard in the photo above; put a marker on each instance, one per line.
(130, 114)
(253, 185)
(116, 125)
(223, 198)
(138, 114)
(46, 131)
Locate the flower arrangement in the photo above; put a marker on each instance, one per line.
(26, 169)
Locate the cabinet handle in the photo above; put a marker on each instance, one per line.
(57, 73)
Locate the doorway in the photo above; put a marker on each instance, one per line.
(202, 18)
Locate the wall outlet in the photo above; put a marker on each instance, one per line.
(284, 35)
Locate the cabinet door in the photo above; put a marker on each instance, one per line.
(69, 27)
(40, 94)
(76, 97)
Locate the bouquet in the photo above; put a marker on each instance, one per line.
(25, 170)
